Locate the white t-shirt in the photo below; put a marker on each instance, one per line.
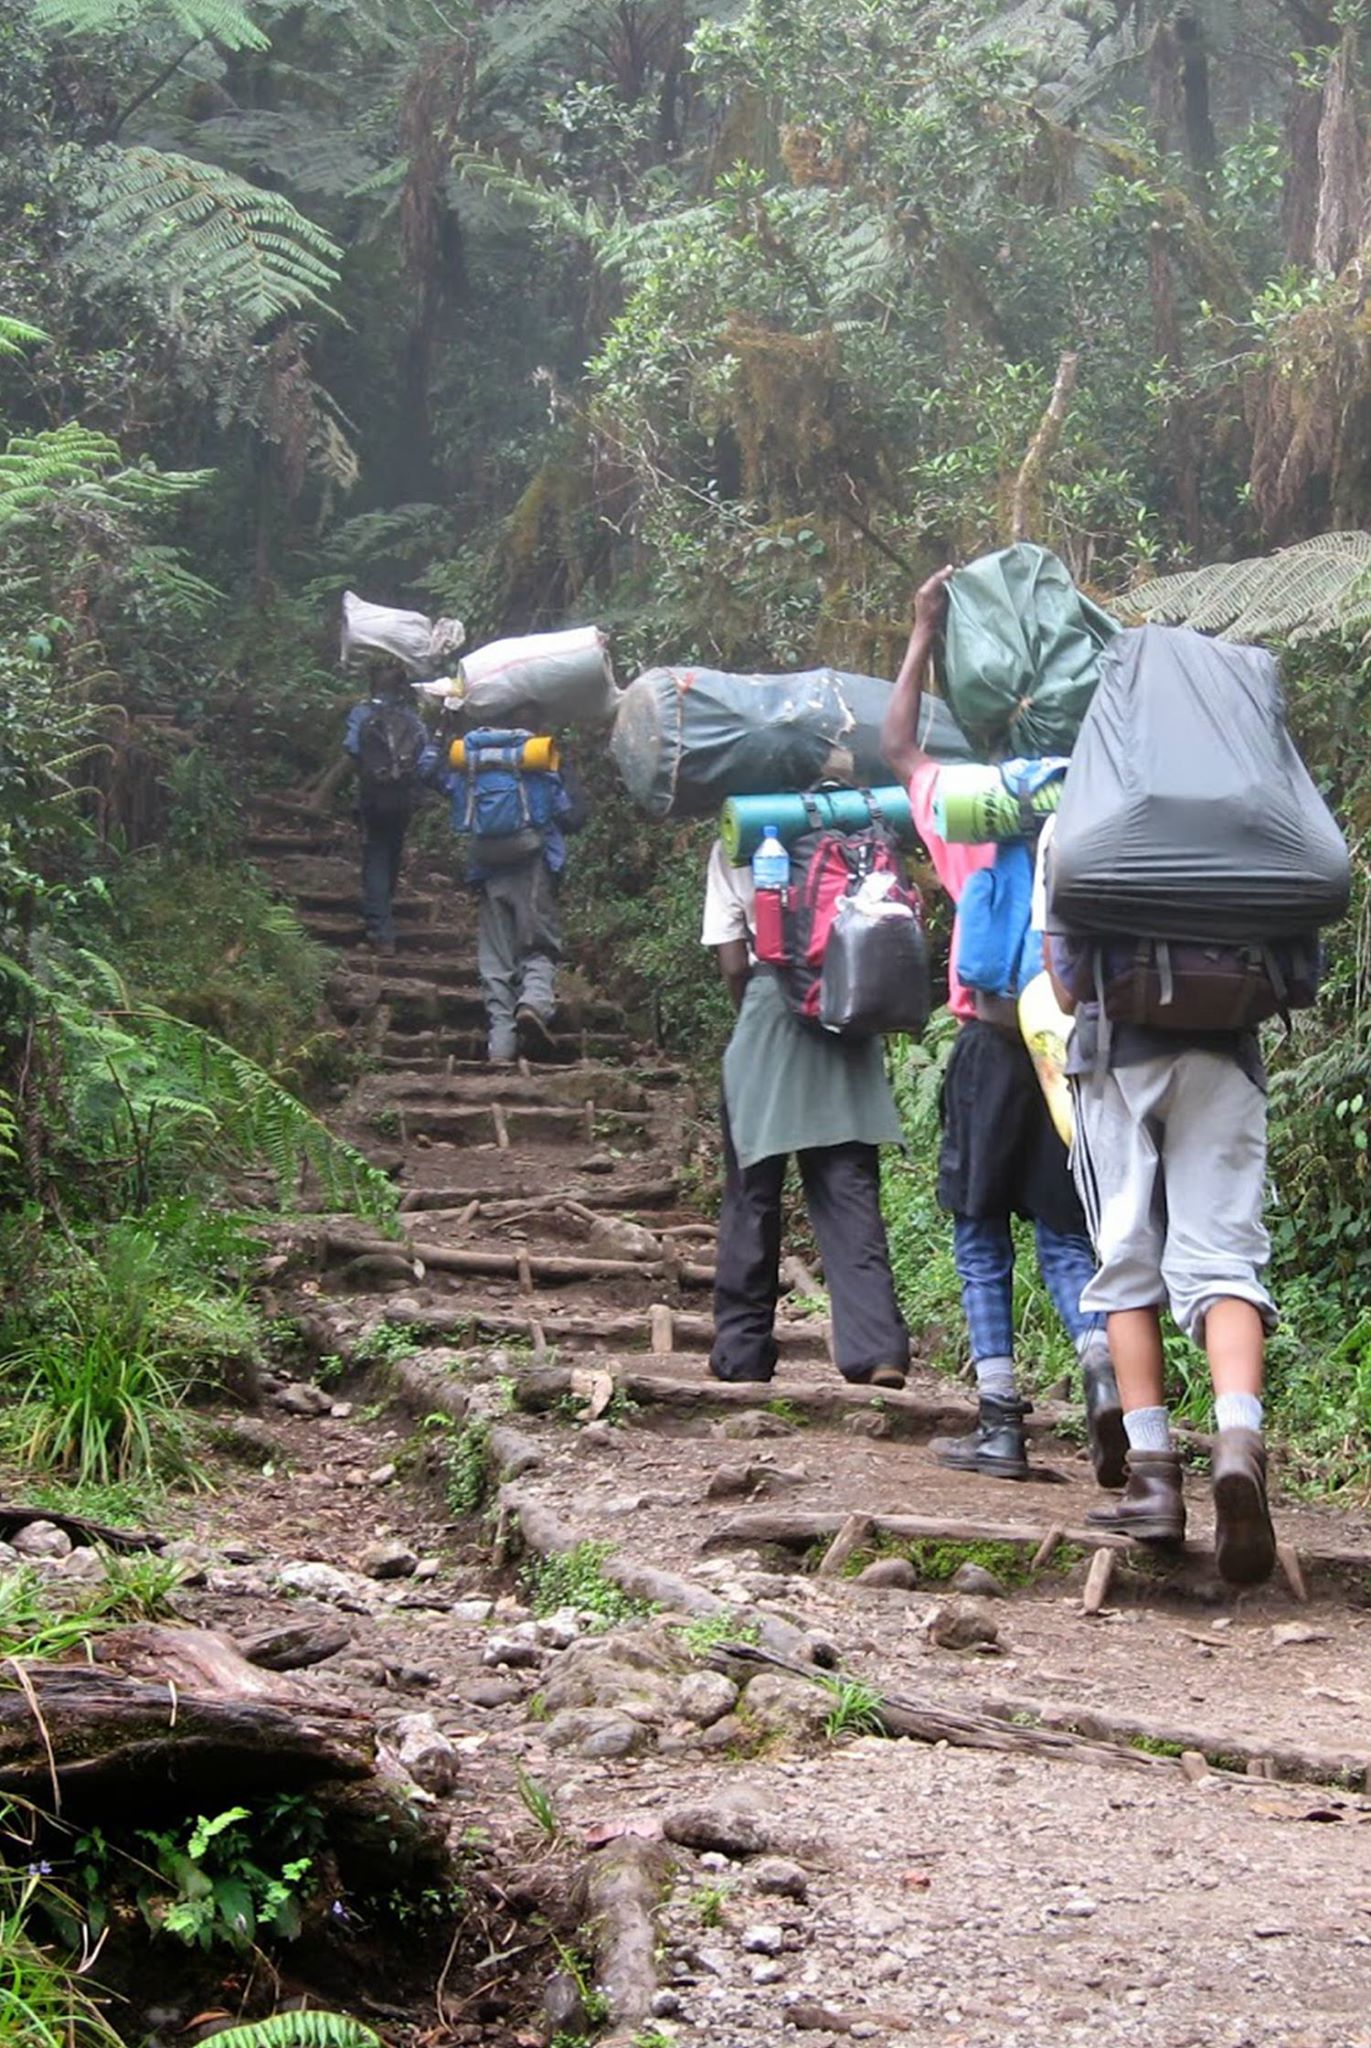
(729, 901)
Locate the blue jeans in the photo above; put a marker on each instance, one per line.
(984, 1251)
(383, 844)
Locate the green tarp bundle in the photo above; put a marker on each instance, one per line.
(1021, 655)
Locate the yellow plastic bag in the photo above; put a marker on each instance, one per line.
(1046, 1028)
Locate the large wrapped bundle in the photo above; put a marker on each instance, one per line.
(1187, 813)
(421, 643)
(1021, 657)
(566, 676)
(686, 739)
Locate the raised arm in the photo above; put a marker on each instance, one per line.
(900, 731)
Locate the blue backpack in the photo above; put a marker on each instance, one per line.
(999, 952)
(504, 806)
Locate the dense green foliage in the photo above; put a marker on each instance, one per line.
(721, 323)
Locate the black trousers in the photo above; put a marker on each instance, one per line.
(842, 1192)
(383, 844)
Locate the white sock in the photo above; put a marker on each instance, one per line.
(1148, 1429)
(995, 1376)
(1238, 1411)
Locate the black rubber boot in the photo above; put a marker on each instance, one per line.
(1105, 1433)
(995, 1447)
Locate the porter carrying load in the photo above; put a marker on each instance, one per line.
(1194, 861)
(1021, 652)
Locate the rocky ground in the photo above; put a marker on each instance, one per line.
(925, 1797)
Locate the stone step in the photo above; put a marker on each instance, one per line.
(435, 942)
(269, 846)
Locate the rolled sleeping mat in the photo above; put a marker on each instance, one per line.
(971, 805)
(538, 752)
(744, 819)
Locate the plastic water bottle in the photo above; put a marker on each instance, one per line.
(770, 880)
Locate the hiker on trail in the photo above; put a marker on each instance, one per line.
(790, 1087)
(1001, 1156)
(515, 801)
(386, 738)
(1192, 867)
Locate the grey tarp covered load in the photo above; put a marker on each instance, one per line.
(685, 739)
(1188, 813)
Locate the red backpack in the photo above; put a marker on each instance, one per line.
(845, 973)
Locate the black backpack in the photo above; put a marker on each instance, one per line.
(389, 744)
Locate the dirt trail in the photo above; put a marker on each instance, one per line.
(926, 1892)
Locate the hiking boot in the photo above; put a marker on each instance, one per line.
(995, 1447)
(891, 1376)
(1244, 1540)
(1105, 1434)
(761, 1377)
(536, 1041)
(1152, 1509)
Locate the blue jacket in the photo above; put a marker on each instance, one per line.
(352, 734)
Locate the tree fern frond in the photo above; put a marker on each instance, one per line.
(181, 226)
(215, 21)
(292, 146)
(17, 335)
(1317, 586)
(520, 188)
(301, 2030)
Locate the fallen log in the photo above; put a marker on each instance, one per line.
(924, 1723)
(1223, 1750)
(168, 1713)
(80, 1529)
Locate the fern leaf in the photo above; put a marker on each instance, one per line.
(17, 335)
(301, 2030)
(214, 21)
(1317, 586)
(181, 226)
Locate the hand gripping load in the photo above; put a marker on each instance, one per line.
(1194, 861)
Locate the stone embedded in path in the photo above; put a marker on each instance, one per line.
(81, 1564)
(630, 1670)
(976, 1580)
(1290, 1634)
(782, 1705)
(392, 1560)
(472, 1610)
(958, 1625)
(766, 1940)
(42, 1540)
(893, 1572)
(752, 1423)
(560, 1630)
(511, 1652)
(492, 1692)
(303, 1398)
(425, 1752)
(704, 1697)
(294, 1645)
(596, 1732)
(325, 1582)
(728, 1826)
(779, 1878)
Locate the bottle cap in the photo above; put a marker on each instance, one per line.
(769, 832)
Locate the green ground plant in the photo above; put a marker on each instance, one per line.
(539, 1804)
(576, 1578)
(856, 1709)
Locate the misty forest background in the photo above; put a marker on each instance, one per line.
(721, 326)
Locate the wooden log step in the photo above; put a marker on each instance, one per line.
(473, 1083)
(496, 1202)
(551, 1269)
(623, 1332)
(525, 1123)
(911, 1417)
(799, 1530)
